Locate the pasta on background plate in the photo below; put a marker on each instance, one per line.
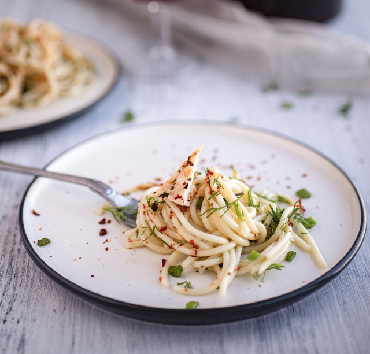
(37, 65)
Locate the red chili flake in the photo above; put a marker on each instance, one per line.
(107, 248)
(106, 240)
(178, 197)
(211, 173)
(249, 177)
(185, 290)
(258, 178)
(102, 221)
(35, 213)
(160, 278)
(109, 221)
(195, 246)
(92, 275)
(228, 273)
(79, 257)
(238, 268)
(196, 252)
(158, 179)
(144, 206)
(255, 236)
(170, 247)
(34, 241)
(102, 232)
(304, 175)
(162, 229)
(74, 260)
(191, 242)
(163, 262)
(184, 183)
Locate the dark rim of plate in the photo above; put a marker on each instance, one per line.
(18, 133)
(198, 316)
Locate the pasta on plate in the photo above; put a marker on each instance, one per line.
(37, 65)
(206, 221)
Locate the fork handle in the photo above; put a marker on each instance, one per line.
(96, 186)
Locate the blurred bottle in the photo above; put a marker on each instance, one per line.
(311, 10)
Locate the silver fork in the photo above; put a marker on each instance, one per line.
(109, 194)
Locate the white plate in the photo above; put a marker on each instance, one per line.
(126, 281)
(25, 121)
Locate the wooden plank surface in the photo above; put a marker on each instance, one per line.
(39, 316)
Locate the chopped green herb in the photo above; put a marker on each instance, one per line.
(187, 284)
(305, 92)
(173, 181)
(44, 241)
(175, 271)
(308, 223)
(303, 193)
(290, 256)
(199, 203)
(192, 304)
(263, 197)
(345, 109)
(253, 255)
(128, 117)
(119, 214)
(272, 86)
(286, 105)
(198, 173)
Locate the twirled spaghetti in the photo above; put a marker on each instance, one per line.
(222, 220)
(37, 65)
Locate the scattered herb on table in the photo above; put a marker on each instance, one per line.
(44, 241)
(128, 117)
(272, 86)
(233, 120)
(345, 109)
(303, 193)
(286, 105)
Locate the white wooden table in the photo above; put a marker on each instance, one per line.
(39, 316)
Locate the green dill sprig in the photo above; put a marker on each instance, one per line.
(119, 214)
(228, 206)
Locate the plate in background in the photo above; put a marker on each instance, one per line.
(22, 122)
(126, 281)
